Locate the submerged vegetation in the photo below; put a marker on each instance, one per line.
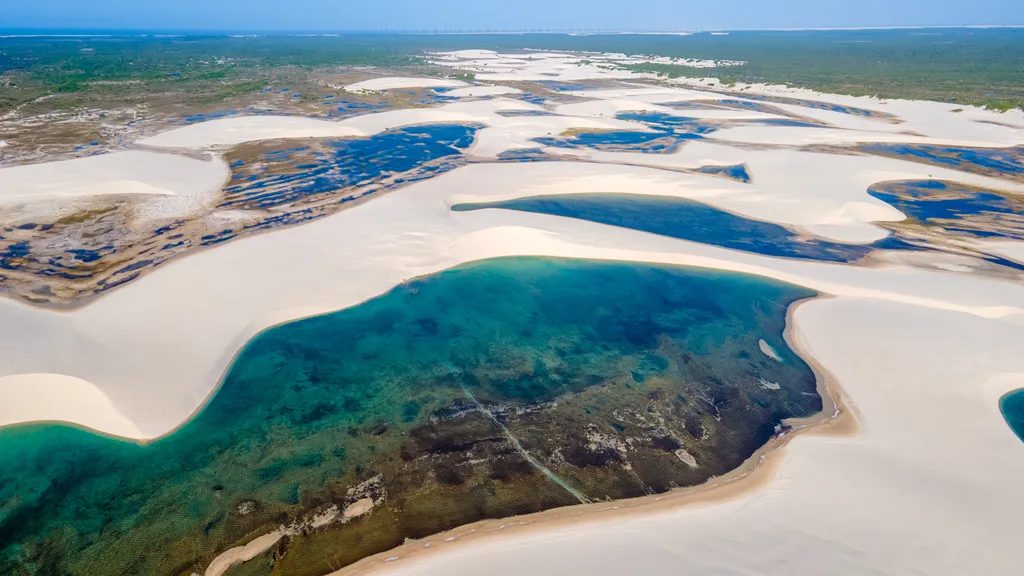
(497, 388)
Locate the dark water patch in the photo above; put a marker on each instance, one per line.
(429, 99)
(666, 134)
(998, 162)
(737, 172)
(399, 399)
(816, 105)
(749, 105)
(347, 108)
(205, 117)
(966, 210)
(1012, 407)
(615, 141)
(678, 125)
(934, 199)
(288, 175)
(684, 219)
(527, 155)
(89, 255)
(531, 98)
(133, 267)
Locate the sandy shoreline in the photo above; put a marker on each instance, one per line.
(921, 351)
(836, 419)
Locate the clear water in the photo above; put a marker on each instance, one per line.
(1012, 407)
(284, 176)
(681, 218)
(737, 172)
(934, 200)
(989, 161)
(413, 399)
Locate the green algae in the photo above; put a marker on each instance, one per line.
(497, 388)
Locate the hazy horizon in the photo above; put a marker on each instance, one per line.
(433, 15)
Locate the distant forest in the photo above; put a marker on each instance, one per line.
(983, 67)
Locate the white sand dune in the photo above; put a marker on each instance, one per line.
(823, 194)
(392, 83)
(511, 133)
(921, 122)
(55, 397)
(611, 107)
(224, 132)
(929, 485)
(212, 302)
(541, 66)
(1009, 249)
(793, 135)
(176, 184)
(503, 132)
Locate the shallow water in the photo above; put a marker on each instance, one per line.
(681, 218)
(998, 162)
(413, 399)
(669, 132)
(937, 210)
(1012, 407)
(615, 141)
(737, 172)
(814, 104)
(934, 200)
(964, 210)
(281, 176)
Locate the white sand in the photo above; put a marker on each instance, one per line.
(210, 303)
(828, 198)
(222, 563)
(174, 184)
(224, 132)
(929, 486)
(912, 493)
(1009, 249)
(801, 136)
(971, 126)
(476, 91)
(611, 107)
(933, 121)
(46, 397)
(392, 83)
(502, 133)
(541, 66)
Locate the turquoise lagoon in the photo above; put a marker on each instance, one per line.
(452, 398)
(1012, 407)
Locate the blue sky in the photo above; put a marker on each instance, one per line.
(266, 15)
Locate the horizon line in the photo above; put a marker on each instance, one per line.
(67, 32)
